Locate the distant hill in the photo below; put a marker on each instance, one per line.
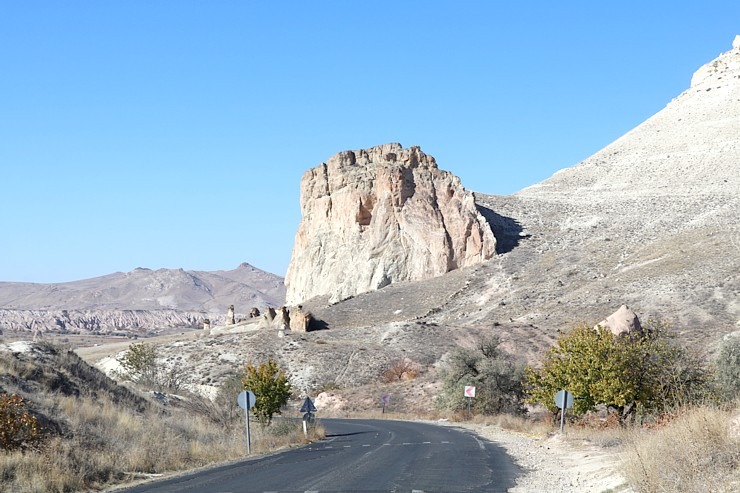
(137, 299)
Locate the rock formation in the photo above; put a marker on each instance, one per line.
(136, 301)
(622, 322)
(230, 316)
(276, 319)
(382, 215)
(300, 321)
(103, 321)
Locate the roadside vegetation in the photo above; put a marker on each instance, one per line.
(67, 427)
(674, 417)
(493, 372)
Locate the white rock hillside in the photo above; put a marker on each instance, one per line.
(382, 215)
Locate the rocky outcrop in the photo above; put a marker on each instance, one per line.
(103, 321)
(622, 322)
(300, 321)
(382, 215)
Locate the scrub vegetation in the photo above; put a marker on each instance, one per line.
(74, 429)
(674, 417)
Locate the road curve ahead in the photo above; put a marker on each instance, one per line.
(363, 456)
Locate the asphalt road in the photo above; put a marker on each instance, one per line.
(363, 456)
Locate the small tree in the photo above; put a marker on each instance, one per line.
(142, 366)
(270, 386)
(622, 372)
(498, 380)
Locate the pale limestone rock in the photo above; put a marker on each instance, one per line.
(622, 322)
(381, 215)
(719, 71)
(230, 316)
(300, 321)
(282, 319)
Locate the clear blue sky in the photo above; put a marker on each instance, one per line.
(175, 133)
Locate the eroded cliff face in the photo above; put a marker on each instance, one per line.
(382, 215)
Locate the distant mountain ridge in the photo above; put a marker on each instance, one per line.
(140, 298)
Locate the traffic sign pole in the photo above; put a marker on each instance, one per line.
(564, 400)
(249, 437)
(469, 393)
(246, 399)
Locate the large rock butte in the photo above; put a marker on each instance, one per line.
(376, 216)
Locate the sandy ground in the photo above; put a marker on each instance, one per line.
(555, 465)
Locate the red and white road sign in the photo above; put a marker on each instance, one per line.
(469, 391)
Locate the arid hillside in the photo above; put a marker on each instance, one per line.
(138, 301)
(651, 221)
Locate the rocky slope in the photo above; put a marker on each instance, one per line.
(137, 300)
(652, 222)
(377, 216)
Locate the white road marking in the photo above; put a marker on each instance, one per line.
(365, 444)
(480, 444)
(426, 443)
(444, 441)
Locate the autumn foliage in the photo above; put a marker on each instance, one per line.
(18, 428)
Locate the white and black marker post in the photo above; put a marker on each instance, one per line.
(564, 400)
(246, 400)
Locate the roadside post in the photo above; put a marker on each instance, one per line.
(469, 393)
(385, 399)
(246, 400)
(564, 400)
(308, 409)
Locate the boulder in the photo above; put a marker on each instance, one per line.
(622, 322)
(300, 321)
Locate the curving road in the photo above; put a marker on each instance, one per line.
(363, 456)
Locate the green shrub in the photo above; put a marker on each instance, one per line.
(270, 386)
(497, 379)
(141, 364)
(646, 372)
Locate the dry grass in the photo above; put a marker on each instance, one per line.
(97, 434)
(112, 445)
(697, 452)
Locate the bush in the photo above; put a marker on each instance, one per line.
(401, 369)
(18, 428)
(270, 386)
(728, 368)
(498, 381)
(141, 365)
(645, 372)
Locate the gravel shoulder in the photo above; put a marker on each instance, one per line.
(557, 465)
